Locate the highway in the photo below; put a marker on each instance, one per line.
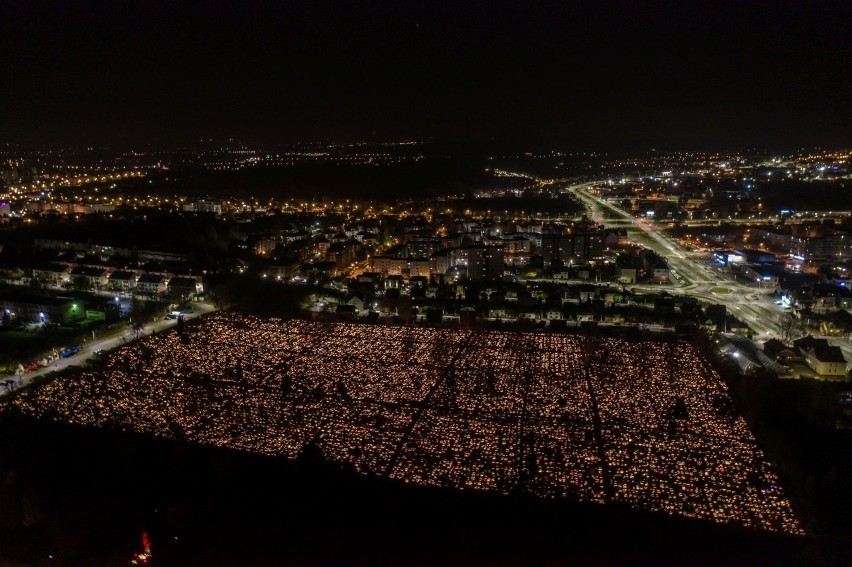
(754, 306)
(698, 279)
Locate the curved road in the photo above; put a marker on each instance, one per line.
(698, 279)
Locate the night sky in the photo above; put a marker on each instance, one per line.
(628, 75)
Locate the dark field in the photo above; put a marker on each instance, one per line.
(95, 492)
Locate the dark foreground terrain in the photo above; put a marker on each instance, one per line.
(86, 496)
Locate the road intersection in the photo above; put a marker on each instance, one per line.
(754, 306)
(694, 277)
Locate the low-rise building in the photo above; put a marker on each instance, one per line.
(90, 276)
(152, 284)
(500, 312)
(185, 287)
(779, 352)
(285, 269)
(122, 280)
(42, 309)
(824, 359)
(215, 207)
(554, 314)
(321, 269)
(762, 275)
(52, 274)
(529, 313)
(394, 282)
(161, 256)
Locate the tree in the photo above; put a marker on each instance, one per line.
(36, 285)
(218, 296)
(139, 316)
(788, 328)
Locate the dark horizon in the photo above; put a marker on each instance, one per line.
(431, 147)
(606, 77)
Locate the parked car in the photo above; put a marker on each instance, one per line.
(33, 366)
(70, 351)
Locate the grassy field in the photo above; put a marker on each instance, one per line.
(22, 347)
(720, 290)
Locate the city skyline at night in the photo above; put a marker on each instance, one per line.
(428, 283)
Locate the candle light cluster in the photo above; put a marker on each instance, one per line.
(648, 424)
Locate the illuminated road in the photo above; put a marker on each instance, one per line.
(696, 278)
(754, 306)
(108, 343)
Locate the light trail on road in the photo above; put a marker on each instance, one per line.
(701, 278)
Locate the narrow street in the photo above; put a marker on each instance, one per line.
(107, 343)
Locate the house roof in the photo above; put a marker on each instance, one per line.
(150, 279)
(121, 275)
(59, 268)
(87, 271)
(183, 282)
(773, 346)
(820, 349)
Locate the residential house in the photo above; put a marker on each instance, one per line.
(529, 313)
(122, 280)
(52, 274)
(152, 284)
(185, 287)
(90, 276)
(823, 359)
(285, 269)
(554, 314)
(779, 352)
